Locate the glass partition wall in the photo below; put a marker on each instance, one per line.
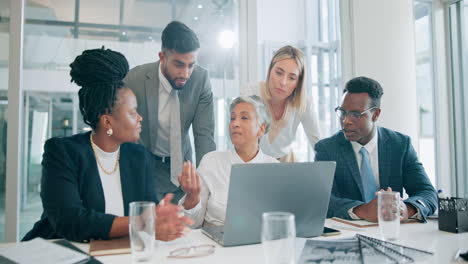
(4, 61)
(56, 31)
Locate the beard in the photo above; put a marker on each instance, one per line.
(172, 81)
(175, 86)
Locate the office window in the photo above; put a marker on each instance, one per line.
(313, 27)
(51, 11)
(458, 19)
(425, 85)
(4, 55)
(131, 27)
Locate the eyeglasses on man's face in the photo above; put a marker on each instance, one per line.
(353, 115)
(192, 252)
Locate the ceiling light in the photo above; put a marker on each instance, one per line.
(227, 39)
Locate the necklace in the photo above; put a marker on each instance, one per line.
(99, 162)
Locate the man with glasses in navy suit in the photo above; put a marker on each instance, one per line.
(370, 158)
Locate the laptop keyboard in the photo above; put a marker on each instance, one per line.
(214, 232)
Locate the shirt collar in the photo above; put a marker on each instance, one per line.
(163, 80)
(235, 159)
(370, 146)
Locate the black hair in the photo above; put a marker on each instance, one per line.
(180, 38)
(365, 85)
(100, 74)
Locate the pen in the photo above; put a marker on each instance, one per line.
(456, 255)
(441, 194)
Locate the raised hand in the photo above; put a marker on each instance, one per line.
(190, 182)
(170, 221)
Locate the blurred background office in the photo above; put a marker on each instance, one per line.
(417, 49)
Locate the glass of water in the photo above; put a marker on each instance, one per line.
(389, 215)
(142, 230)
(278, 237)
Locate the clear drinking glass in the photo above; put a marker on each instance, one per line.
(278, 237)
(142, 230)
(389, 215)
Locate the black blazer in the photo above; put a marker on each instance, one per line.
(71, 188)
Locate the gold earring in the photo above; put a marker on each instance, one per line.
(109, 132)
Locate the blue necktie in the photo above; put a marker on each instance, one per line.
(367, 177)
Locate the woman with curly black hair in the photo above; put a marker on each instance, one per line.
(89, 179)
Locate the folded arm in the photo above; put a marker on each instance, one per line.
(422, 194)
(338, 207)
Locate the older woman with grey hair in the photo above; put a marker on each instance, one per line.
(207, 188)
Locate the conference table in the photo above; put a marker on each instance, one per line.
(425, 236)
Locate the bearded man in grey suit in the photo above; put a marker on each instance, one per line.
(173, 94)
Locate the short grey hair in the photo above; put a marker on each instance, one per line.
(262, 114)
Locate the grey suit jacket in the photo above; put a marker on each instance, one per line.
(196, 108)
(399, 168)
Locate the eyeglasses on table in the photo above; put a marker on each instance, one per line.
(192, 252)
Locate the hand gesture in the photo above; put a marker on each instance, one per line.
(190, 183)
(170, 222)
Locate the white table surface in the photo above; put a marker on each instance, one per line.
(423, 236)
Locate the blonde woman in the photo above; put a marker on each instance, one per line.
(285, 95)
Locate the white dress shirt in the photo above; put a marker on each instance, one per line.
(163, 147)
(111, 184)
(282, 143)
(215, 171)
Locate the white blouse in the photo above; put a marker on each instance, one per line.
(111, 184)
(215, 171)
(281, 144)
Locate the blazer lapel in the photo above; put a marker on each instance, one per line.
(152, 103)
(350, 158)
(125, 180)
(96, 190)
(384, 157)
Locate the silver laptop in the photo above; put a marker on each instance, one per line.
(300, 188)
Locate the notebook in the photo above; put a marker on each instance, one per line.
(67, 244)
(359, 249)
(110, 247)
(364, 223)
(393, 251)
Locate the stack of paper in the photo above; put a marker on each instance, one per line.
(41, 251)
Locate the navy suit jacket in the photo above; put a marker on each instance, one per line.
(399, 168)
(71, 189)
